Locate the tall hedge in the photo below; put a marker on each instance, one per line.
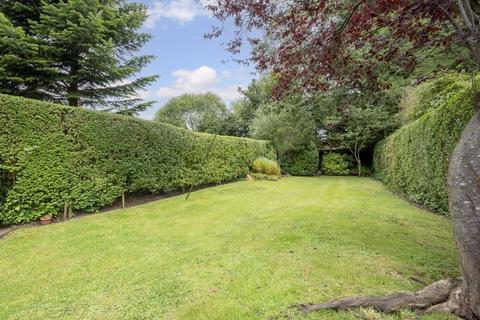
(51, 155)
(415, 159)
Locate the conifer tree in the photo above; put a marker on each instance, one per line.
(77, 52)
(20, 63)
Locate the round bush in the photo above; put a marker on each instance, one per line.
(266, 166)
(336, 164)
(302, 162)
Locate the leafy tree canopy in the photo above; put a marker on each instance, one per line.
(314, 45)
(196, 112)
(288, 123)
(243, 112)
(357, 128)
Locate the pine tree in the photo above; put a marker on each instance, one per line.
(80, 52)
(20, 64)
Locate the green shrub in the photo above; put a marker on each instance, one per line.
(302, 162)
(266, 166)
(414, 160)
(337, 164)
(87, 159)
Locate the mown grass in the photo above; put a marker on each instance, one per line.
(247, 250)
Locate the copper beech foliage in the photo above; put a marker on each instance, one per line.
(312, 44)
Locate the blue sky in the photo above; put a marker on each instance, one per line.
(185, 60)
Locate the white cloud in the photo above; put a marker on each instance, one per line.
(201, 80)
(190, 81)
(181, 11)
(229, 94)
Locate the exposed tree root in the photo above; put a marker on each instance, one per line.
(441, 296)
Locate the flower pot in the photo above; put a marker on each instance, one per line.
(45, 220)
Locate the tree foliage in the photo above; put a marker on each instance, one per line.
(19, 61)
(196, 112)
(343, 118)
(355, 122)
(257, 94)
(312, 45)
(76, 52)
(288, 123)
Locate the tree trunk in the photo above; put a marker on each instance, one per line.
(72, 91)
(72, 95)
(356, 155)
(469, 32)
(359, 164)
(73, 102)
(464, 205)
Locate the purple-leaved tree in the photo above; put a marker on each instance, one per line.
(314, 44)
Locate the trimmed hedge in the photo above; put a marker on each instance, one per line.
(302, 162)
(61, 155)
(414, 160)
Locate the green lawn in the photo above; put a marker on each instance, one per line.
(246, 250)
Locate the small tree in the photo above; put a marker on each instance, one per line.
(196, 112)
(357, 128)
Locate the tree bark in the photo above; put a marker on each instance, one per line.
(72, 91)
(72, 95)
(426, 299)
(356, 154)
(464, 205)
(359, 164)
(73, 102)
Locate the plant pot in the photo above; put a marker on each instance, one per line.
(45, 220)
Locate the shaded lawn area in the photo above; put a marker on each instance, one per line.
(246, 250)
